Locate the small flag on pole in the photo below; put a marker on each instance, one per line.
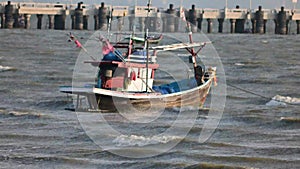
(72, 38)
(78, 44)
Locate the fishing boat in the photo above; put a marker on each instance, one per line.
(126, 79)
(129, 79)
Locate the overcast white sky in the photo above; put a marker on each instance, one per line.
(187, 3)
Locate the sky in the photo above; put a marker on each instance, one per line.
(219, 4)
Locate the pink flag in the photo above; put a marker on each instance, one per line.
(78, 44)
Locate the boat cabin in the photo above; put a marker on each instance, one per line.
(134, 74)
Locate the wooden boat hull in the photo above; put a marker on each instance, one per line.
(114, 101)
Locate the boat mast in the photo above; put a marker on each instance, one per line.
(109, 22)
(147, 45)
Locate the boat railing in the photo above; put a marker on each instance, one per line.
(140, 59)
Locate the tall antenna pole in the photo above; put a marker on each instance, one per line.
(294, 7)
(147, 46)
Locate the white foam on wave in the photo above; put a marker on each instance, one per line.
(24, 113)
(283, 101)
(134, 140)
(6, 68)
(239, 64)
(275, 103)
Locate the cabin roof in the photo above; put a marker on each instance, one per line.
(122, 65)
(177, 46)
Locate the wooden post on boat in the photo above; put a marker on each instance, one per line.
(194, 55)
(198, 72)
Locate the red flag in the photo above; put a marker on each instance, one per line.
(78, 44)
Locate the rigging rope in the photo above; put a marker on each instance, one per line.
(262, 96)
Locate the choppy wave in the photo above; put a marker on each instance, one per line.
(6, 68)
(290, 119)
(283, 101)
(134, 140)
(53, 103)
(216, 166)
(15, 113)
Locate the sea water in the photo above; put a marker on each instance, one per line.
(36, 131)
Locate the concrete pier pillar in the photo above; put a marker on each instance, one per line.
(199, 24)
(131, 22)
(39, 21)
(164, 24)
(282, 22)
(9, 19)
(142, 23)
(120, 23)
(287, 26)
(16, 21)
(86, 22)
(232, 25)
(72, 21)
(265, 26)
(253, 21)
(79, 17)
(209, 25)
(177, 21)
(102, 16)
(153, 24)
(171, 19)
(298, 26)
(240, 26)
(192, 18)
(59, 22)
(150, 24)
(221, 22)
(259, 16)
(276, 26)
(147, 24)
(2, 20)
(96, 22)
(27, 21)
(51, 21)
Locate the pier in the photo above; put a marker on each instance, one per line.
(88, 17)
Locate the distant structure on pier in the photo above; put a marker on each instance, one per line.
(18, 15)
